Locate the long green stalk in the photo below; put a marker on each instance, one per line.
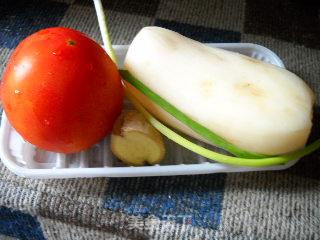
(182, 117)
(103, 25)
(260, 162)
(206, 133)
(248, 159)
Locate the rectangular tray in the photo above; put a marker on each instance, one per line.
(26, 160)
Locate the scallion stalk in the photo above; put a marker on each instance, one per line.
(249, 162)
(246, 159)
(182, 117)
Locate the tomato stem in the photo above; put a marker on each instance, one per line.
(71, 42)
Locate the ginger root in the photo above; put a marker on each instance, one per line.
(135, 142)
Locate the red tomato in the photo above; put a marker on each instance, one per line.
(61, 91)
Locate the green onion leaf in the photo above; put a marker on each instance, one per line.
(247, 157)
(248, 162)
(182, 117)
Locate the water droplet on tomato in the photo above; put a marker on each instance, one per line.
(17, 92)
(50, 73)
(46, 122)
(56, 53)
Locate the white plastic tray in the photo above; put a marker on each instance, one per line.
(26, 160)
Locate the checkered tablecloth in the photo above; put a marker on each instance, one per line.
(257, 205)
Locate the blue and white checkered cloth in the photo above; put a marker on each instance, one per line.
(257, 205)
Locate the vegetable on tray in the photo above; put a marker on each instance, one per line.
(135, 141)
(61, 91)
(219, 96)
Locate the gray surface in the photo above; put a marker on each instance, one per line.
(270, 205)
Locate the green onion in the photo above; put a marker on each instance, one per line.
(204, 132)
(103, 25)
(182, 117)
(247, 159)
(249, 162)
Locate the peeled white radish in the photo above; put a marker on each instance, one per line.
(256, 106)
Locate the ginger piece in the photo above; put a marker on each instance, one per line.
(135, 141)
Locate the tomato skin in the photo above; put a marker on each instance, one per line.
(61, 91)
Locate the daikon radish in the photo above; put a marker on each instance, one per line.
(253, 105)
